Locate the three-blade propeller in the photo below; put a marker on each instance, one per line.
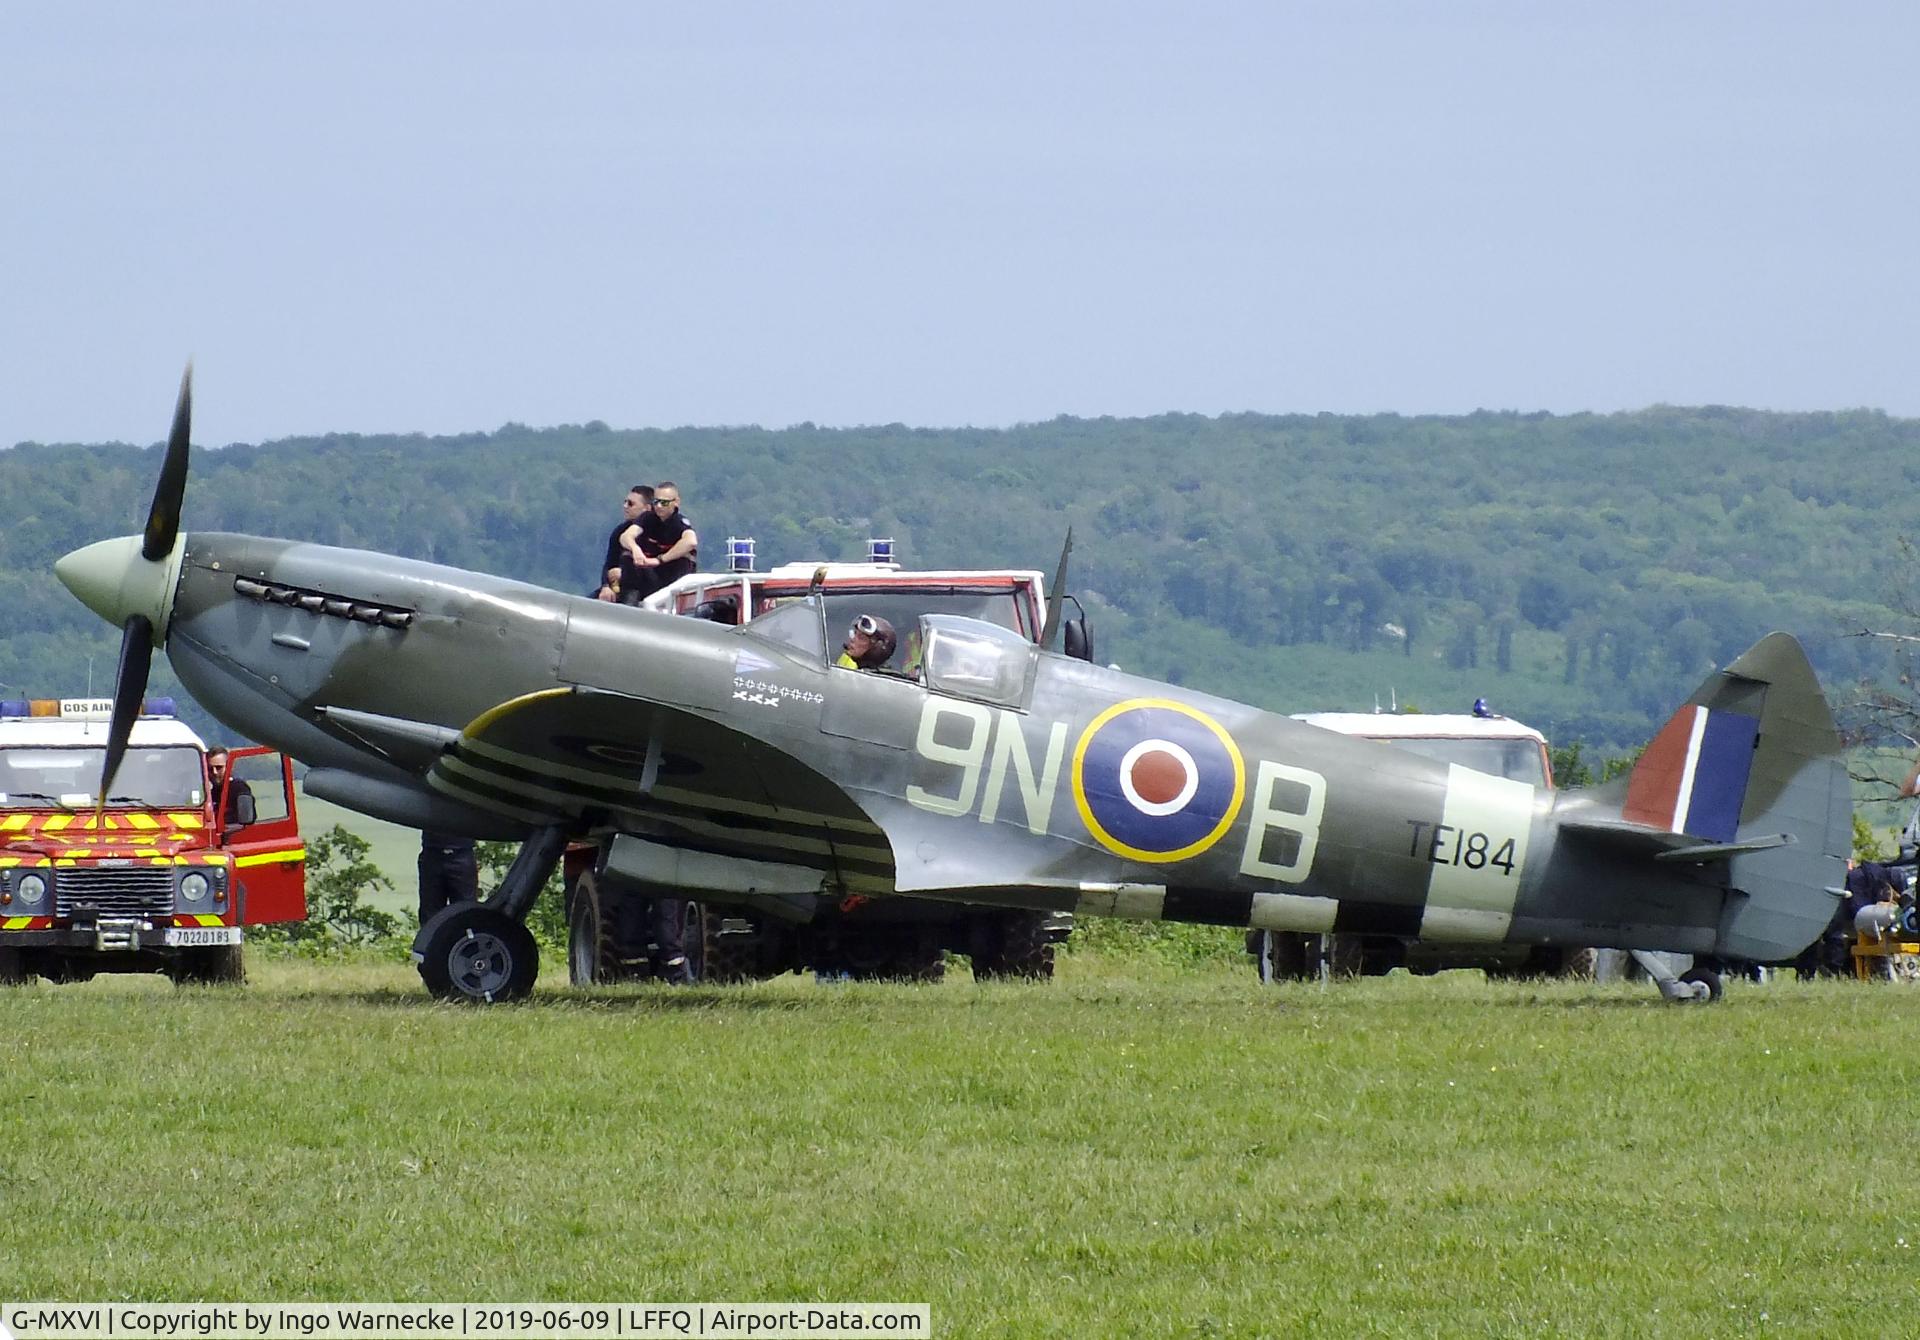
(136, 634)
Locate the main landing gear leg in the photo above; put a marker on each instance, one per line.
(483, 952)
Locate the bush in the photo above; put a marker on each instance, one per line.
(338, 876)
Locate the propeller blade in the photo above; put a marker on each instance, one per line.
(129, 689)
(163, 518)
(1057, 595)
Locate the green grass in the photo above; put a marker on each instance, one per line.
(1137, 1149)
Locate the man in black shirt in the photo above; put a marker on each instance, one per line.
(667, 547)
(616, 569)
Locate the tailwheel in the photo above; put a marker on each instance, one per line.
(1708, 978)
(475, 953)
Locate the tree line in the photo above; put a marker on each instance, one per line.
(1584, 571)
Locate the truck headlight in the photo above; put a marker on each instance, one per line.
(194, 887)
(31, 889)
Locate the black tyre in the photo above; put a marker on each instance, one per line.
(214, 965)
(1346, 956)
(474, 953)
(1709, 978)
(1020, 948)
(13, 968)
(606, 934)
(584, 939)
(1578, 965)
(918, 959)
(64, 971)
(726, 958)
(694, 939)
(1282, 956)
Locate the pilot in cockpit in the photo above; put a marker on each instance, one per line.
(869, 645)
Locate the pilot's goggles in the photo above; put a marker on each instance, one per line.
(866, 624)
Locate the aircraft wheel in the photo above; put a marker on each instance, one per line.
(1706, 977)
(474, 953)
(217, 965)
(13, 968)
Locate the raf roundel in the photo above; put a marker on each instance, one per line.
(1157, 780)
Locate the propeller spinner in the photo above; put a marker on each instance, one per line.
(130, 581)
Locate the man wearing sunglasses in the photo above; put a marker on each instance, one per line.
(616, 569)
(665, 547)
(869, 645)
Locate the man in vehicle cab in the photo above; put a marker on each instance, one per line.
(217, 768)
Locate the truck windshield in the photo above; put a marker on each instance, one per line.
(164, 778)
(1518, 760)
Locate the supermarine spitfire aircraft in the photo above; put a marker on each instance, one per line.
(742, 764)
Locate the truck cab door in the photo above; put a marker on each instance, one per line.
(256, 823)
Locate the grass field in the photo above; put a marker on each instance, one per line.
(1132, 1150)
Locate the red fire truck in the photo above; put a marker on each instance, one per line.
(159, 876)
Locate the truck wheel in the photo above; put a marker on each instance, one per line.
(729, 958)
(1020, 949)
(601, 938)
(215, 965)
(918, 959)
(13, 967)
(470, 952)
(1282, 956)
(1346, 955)
(1577, 965)
(584, 933)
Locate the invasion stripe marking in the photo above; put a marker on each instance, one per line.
(517, 779)
(1209, 907)
(484, 796)
(1136, 902)
(542, 768)
(1354, 917)
(1292, 912)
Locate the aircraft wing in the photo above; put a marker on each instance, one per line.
(605, 760)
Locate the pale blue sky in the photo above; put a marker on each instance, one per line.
(442, 217)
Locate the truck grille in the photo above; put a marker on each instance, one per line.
(117, 891)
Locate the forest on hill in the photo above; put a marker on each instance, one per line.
(1582, 572)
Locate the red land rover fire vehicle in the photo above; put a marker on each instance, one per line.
(159, 876)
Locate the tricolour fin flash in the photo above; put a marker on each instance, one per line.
(1693, 776)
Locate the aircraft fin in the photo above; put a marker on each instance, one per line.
(1751, 771)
